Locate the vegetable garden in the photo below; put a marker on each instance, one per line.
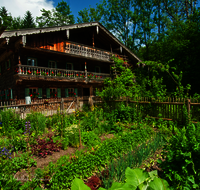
(83, 158)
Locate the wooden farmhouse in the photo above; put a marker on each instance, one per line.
(60, 61)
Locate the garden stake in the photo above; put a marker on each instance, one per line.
(79, 134)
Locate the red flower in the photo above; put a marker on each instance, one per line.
(47, 73)
(31, 95)
(100, 76)
(74, 93)
(52, 72)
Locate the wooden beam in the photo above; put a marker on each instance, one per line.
(7, 54)
(3, 43)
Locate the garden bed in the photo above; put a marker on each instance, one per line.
(102, 140)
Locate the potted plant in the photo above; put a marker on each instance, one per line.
(29, 72)
(59, 74)
(52, 74)
(53, 94)
(43, 73)
(46, 101)
(72, 94)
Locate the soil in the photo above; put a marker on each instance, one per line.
(22, 175)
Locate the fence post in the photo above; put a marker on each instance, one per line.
(90, 101)
(127, 99)
(77, 104)
(188, 107)
(62, 105)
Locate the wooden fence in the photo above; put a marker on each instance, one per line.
(63, 105)
(167, 108)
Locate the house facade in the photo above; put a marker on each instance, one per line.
(62, 61)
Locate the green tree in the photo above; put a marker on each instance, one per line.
(5, 18)
(91, 14)
(17, 23)
(59, 16)
(28, 21)
(46, 20)
(63, 14)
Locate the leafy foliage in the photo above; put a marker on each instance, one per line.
(59, 16)
(136, 179)
(181, 166)
(45, 147)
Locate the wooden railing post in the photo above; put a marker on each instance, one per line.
(188, 107)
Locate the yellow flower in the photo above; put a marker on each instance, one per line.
(0, 127)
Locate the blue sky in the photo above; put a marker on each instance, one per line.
(77, 5)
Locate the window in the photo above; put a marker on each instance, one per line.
(52, 64)
(71, 92)
(32, 61)
(97, 69)
(32, 90)
(53, 92)
(69, 66)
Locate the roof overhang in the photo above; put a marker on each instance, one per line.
(30, 31)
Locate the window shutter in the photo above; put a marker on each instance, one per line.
(76, 91)
(99, 69)
(0, 69)
(55, 65)
(72, 66)
(66, 92)
(48, 92)
(36, 62)
(26, 92)
(59, 92)
(11, 94)
(49, 64)
(9, 63)
(40, 92)
(5, 64)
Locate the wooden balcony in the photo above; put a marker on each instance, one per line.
(86, 51)
(59, 73)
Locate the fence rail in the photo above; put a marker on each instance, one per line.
(44, 72)
(63, 105)
(167, 108)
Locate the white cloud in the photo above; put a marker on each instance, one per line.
(19, 7)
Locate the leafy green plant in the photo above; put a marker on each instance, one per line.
(181, 165)
(90, 139)
(135, 179)
(15, 164)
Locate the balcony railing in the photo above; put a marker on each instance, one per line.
(87, 51)
(63, 73)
